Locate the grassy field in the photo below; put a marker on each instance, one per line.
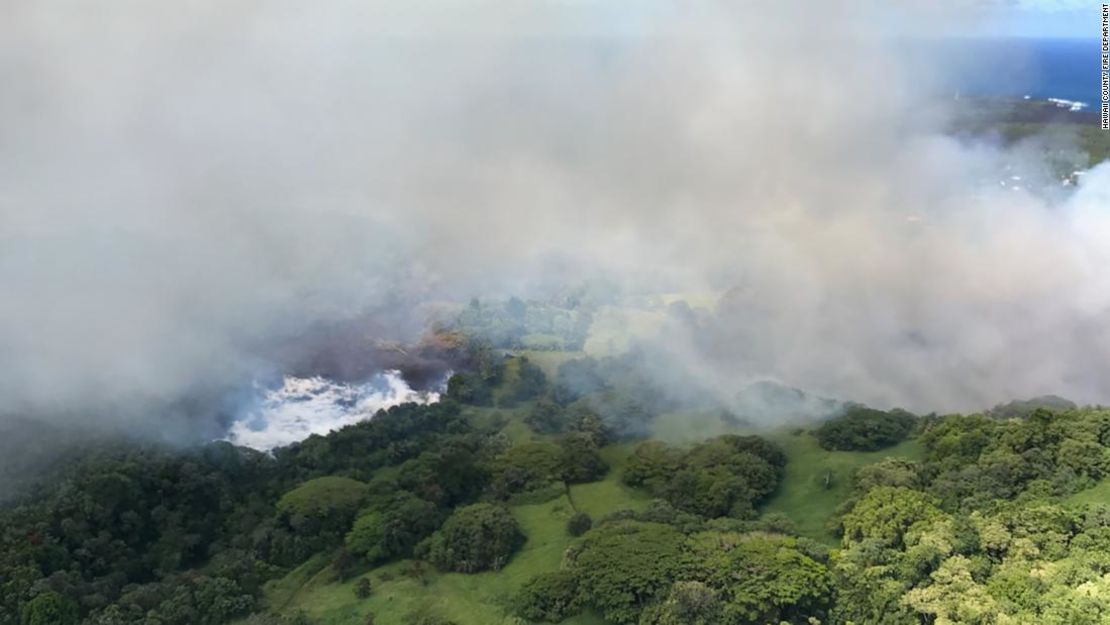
(608, 495)
(1099, 493)
(478, 599)
(510, 421)
(804, 496)
(485, 598)
(681, 428)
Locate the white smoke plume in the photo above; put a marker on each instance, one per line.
(181, 183)
(301, 407)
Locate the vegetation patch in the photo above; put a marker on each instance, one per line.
(865, 429)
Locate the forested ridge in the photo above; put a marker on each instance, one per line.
(998, 520)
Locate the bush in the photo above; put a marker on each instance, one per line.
(577, 378)
(392, 528)
(623, 566)
(529, 383)
(547, 417)
(549, 597)
(332, 500)
(49, 608)
(474, 538)
(726, 475)
(651, 465)
(425, 616)
(343, 564)
(580, 459)
(1019, 409)
(688, 603)
(362, 588)
(579, 524)
(526, 467)
(469, 388)
(865, 429)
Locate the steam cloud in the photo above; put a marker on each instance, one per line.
(183, 183)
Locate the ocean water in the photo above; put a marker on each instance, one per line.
(1067, 69)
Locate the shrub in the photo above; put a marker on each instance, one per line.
(726, 475)
(688, 603)
(330, 499)
(392, 528)
(549, 597)
(623, 566)
(580, 459)
(469, 388)
(362, 588)
(526, 467)
(651, 465)
(342, 564)
(547, 417)
(529, 383)
(474, 538)
(49, 608)
(577, 378)
(579, 524)
(424, 616)
(865, 429)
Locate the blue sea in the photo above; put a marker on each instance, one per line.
(1068, 69)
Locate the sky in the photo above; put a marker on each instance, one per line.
(1044, 19)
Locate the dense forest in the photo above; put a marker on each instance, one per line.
(996, 519)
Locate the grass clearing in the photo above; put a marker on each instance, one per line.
(476, 599)
(485, 598)
(1097, 494)
(609, 495)
(509, 421)
(281, 593)
(687, 427)
(804, 495)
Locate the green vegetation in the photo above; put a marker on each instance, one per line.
(579, 524)
(529, 382)
(323, 497)
(561, 324)
(1023, 408)
(1010, 121)
(817, 481)
(1097, 495)
(622, 566)
(724, 476)
(475, 538)
(550, 597)
(554, 505)
(865, 429)
(392, 527)
(49, 608)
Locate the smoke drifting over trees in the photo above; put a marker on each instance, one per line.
(184, 184)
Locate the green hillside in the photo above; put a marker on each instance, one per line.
(560, 487)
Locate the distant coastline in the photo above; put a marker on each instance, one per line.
(1043, 69)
